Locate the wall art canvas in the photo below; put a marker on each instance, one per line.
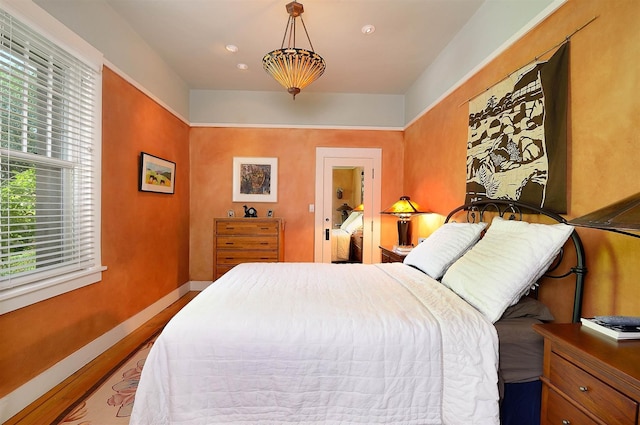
(156, 174)
(517, 141)
(255, 179)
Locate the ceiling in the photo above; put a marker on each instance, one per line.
(191, 35)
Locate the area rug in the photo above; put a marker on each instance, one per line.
(111, 400)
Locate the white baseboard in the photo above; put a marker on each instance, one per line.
(200, 285)
(29, 392)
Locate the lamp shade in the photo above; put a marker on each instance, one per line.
(620, 217)
(294, 68)
(403, 208)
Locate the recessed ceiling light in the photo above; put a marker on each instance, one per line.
(231, 48)
(368, 29)
(242, 66)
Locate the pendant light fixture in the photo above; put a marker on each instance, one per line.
(293, 67)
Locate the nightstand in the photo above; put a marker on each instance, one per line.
(390, 256)
(588, 378)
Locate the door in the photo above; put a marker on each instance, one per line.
(328, 160)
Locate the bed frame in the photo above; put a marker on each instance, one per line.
(520, 404)
(513, 210)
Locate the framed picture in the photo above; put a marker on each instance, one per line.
(270, 213)
(156, 174)
(255, 179)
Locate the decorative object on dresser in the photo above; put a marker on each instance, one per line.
(588, 378)
(250, 212)
(390, 255)
(404, 209)
(246, 240)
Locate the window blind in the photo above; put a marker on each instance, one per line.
(48, 196)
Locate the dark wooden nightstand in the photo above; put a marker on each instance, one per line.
(588, 378)
(390, 256)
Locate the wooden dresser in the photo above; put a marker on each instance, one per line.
(588, 378)
(246, 240)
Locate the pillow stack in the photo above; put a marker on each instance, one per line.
(505, 263)
(440, 250)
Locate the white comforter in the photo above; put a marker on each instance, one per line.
(340, 245)
(292, 343)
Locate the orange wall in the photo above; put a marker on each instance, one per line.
(144, 241)
(603, 137)
(212, 152)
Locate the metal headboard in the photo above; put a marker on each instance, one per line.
(513, 210)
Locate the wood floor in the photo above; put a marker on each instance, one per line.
(48, 407)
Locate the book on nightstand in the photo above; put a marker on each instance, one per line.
(618, 327)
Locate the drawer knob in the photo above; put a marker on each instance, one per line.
(583, 389)
(566, 422)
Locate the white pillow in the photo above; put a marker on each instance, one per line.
(353, 216)
(505, 263)
(355, 224)
(435, 254)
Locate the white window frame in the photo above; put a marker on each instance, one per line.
(41, 22)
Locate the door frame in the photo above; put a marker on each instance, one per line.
(328, 157)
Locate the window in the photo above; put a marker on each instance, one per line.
(49, 168)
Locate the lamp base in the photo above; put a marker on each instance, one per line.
(404, 233)
(403, 248)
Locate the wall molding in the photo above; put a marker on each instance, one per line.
(142, 88)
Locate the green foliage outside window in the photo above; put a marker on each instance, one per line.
(17, 220)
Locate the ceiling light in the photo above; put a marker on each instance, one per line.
(368, 29)
(294, 68)
(231, 48)
(242, 66)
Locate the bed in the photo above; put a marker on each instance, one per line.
(342, 239)
(392, 343)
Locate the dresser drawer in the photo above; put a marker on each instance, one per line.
(247, 242)
(605, 402)
(561, 412)
(237, 257)
(247, 227)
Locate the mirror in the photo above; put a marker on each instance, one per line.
(346, 225)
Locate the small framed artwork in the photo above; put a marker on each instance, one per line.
(255, 179)
(156, 174)
(269, 213)
(231, 213)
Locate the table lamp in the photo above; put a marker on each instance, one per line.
(404, 209)
(344, 210)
